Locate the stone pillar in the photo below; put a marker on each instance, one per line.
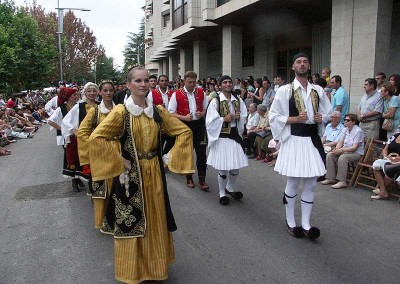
(164, 66)
(173, 66)
(232, 51)
(360, 42)
(186, 61)
(200, 54)
(160, 67)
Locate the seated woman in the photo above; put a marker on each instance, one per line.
(349, 149)
(262, 134)
(392, 147)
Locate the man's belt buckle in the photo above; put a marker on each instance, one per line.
(147, 156)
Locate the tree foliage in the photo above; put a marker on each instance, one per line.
(26, 56)
(134, 46)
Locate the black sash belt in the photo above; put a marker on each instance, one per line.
(234, 135)
(309, 130)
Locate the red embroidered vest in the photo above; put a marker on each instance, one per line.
(157, 96)
(183, 102)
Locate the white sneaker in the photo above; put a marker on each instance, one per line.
(340, 184)
(328, 181)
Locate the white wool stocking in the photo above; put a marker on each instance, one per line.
(222, 182)
(231, 180)
(290, 196)
(307, 199)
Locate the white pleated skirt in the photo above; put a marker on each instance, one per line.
(299, 158)
(226, 154)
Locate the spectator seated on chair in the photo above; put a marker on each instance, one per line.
(251, 124)
(332, 132)
(263, 130)
(391, 154)
(350, 148)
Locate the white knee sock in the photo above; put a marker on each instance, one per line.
(290, 196)
(307, 199)
(231, 180)
(222, 181)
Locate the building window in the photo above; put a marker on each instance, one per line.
(248, 57)
(180, 13)
(222, 2)
(166, 18)
(285, 61)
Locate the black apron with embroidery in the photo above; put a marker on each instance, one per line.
(125, 212)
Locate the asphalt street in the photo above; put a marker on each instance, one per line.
(47, 233)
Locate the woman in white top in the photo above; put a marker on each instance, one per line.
(350, 148)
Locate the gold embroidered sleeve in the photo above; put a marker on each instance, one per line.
(84, 131)
(181, 155)
(105, 159)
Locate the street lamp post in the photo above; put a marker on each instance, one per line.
(60, 31)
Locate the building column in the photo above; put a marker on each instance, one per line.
(360, 42)
(160, 67)
(173, 66)
(164, 70)
(186, 61)
(200, 54)
(232, 51)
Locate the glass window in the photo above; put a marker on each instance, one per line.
(248, 57)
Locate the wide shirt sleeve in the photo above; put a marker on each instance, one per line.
(213, 122)
(84, 131)
(104, 158)
(70, 121)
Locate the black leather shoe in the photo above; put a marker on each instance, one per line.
(312, 233)
(75, 186)
(224, 200)
(237, 195)
(296, 232)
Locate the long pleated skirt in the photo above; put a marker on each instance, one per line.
(299, 158)
(148, 257)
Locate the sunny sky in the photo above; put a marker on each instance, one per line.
(110, 20)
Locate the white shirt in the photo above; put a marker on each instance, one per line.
(172, 106)
(163, 95)
(51, 105)
(252, 120)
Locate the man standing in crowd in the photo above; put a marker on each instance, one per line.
(295, 115)
(380, 78)
(341, 99)
(370, 109)
(278, 82)
(225, 120)
(152, 82)
(269, 93)
(189, 104)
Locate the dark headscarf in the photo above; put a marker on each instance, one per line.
(64, 95)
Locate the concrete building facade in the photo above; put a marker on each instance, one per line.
(355, 38)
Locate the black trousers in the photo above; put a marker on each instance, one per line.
(251, 138)
(198, 128)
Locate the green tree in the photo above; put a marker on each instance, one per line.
(134, 46)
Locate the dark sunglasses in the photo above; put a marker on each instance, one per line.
(346, 119)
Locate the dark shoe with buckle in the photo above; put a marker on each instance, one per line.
(252, 156)
(224, 200)
(75, 187)
(190, 183)
(296, 232)
(203, 186)
(312, 233)
(237, 195)
(80, 183)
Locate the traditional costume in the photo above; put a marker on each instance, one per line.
(138, 212)
(301, 152)
(182, 102)
(225, 142)
(100, 190)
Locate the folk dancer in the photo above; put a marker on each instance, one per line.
(295, 117)
(138, 213)
(189, 104)
(225, 122)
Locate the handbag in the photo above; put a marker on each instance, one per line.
(388, 124)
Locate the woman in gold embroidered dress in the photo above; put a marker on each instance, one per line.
(101, 189)
(138, 212)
